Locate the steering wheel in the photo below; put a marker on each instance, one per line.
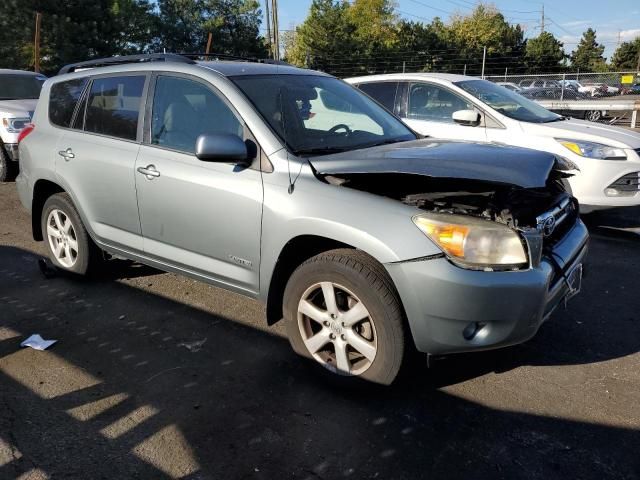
(340, 126)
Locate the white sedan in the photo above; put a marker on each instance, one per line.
(467, 108)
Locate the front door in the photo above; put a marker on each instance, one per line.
(429, 111)
(96, 158)
(201, 217)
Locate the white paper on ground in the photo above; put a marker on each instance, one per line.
(37, 342)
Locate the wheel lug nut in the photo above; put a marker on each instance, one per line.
(333, 315)
(326, 324)
(332, 336)
(343, 338)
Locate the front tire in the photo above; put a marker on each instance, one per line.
(342, 310)
(6, 167)
(68, 243)
(593, 115)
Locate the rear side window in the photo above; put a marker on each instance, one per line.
(113, 106)
(63, 99)
(384, 93)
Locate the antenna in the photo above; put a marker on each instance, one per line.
(284, 134)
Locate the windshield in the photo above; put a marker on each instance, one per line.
(313, 114)
(20, 87)
(507, 102)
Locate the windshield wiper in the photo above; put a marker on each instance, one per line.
(559, 119)
(319, 150)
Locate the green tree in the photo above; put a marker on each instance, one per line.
(184, 26)
(326, 39)
(588, 54)
(419, 46)
(72, 30)
(484, 27)
(627, 55)
(544, 54)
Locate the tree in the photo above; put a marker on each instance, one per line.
(326, 39)
(588, 54)
(544, 53)
(419, 46)
(72, 30)
(184, 26)
(627, 55)
(484, 27)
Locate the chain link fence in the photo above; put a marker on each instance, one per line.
(606, 97)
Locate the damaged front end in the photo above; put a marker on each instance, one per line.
(481, 218)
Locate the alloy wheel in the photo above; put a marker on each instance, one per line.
(337, 329)
(62, 238)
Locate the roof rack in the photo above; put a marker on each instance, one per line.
(162, 57)
(225, 56)
(103, 62)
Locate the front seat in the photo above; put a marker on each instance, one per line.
(180, 128)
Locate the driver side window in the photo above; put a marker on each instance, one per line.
(184, 109)
(433, 103)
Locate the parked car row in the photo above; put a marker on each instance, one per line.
(325, 201)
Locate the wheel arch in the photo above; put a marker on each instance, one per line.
(295, 252)
(42, 190)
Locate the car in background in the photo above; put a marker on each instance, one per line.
(537, 83)
(367, 241)
(19, 92)
(630, 89)
(458, 107)
(564, 94)
(511, 86)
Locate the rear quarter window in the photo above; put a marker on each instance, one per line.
(113, 106)
(63, 99)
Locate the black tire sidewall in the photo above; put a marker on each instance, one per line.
(387, 319)
(62, 202)
(5, 165)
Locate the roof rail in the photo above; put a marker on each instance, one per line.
(103, 62)
(225, 56)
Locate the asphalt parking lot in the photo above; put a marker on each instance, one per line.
(158, 376)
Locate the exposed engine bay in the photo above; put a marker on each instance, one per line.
(511, 205)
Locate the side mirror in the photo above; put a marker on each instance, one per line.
(469, 118)
(221, 147)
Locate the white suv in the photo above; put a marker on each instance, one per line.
(466, 108)
(19, 92)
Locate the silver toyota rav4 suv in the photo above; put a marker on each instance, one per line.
(292, 187)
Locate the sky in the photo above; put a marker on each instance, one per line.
(612, 19)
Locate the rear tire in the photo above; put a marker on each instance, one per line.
(69, 246)
(593, 115)
(342, 310)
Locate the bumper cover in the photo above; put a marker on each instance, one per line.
(441, 300)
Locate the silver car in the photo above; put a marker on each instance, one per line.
(292, 187)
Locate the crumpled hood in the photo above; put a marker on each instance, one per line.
(445, 159)
(573, 129)
(17, 108)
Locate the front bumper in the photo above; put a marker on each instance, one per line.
(442, 301)
(12, 151)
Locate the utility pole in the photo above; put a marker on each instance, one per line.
(209, 42)
(36, 44)
(542, 20)
(270, 43)
(276, 34)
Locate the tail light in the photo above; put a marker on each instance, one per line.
(28, 128)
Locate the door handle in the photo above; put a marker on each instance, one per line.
(149, 171)
(67, 154)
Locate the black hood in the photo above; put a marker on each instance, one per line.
(445, 159)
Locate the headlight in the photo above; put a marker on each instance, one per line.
(15, 125)
(473, 242)
(593, 150)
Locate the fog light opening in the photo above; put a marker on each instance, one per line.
(471, 331)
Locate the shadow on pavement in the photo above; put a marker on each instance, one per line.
(122, 395)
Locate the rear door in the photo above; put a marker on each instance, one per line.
(200, 217)
(96, 157)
